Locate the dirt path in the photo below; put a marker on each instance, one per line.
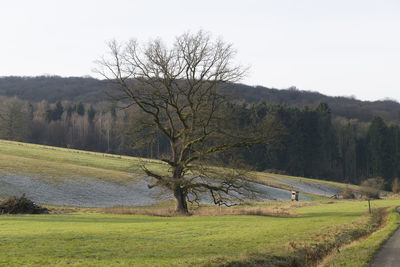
(389, 253)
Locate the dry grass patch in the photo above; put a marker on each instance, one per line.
(277, 209)
(151, 211)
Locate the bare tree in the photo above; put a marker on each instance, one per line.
(14, 119)
(180, 89)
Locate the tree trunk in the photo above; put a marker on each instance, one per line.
(180, 199)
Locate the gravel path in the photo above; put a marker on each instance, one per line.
(389, 253)
(89, 192)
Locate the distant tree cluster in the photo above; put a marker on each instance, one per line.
(312, 144)
(64, 124)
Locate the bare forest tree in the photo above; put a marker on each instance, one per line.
(14, 119)
(181, 90)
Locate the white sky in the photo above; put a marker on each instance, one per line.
(336, 47)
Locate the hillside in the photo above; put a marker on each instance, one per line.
(59, 176)
(52, 88)
(346, 107)
(90, 90)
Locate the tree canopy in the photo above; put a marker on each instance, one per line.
(181, 90)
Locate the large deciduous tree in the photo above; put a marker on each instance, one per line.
(180, 88)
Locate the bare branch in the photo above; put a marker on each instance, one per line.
(180, 89)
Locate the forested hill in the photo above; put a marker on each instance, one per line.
(89, 90)
(341, 106)
(53, 88)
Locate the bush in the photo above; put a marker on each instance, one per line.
(21, 205)
(348, 193)
(371, 187)
(396, 186)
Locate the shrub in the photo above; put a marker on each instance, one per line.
(396, 186)
(21, 205)
(371, 187)
(348, 193)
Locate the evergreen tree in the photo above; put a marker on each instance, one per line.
(58, 111)
(91, 113)
(379, 148)
(80, 109)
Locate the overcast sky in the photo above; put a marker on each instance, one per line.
(336, 47)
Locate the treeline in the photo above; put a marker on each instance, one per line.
(308, 141)
(315, 145)
(64, 124)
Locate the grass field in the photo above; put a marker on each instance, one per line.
(96, 237)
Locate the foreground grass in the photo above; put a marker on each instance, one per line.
(361, 252)
(93, 239)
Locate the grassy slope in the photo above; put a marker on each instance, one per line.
(54, 162)
(98, 239)
(268, 178)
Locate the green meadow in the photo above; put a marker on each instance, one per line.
(96, 239)
(93, 237)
